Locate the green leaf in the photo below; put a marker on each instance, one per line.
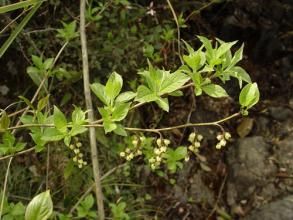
(224, 47)
(237, 56)
(100, 92)
(40, 207)
(109, 126)
(77, 129)
(88, 202)
(163, 103)
(176, 93)
(28, 102)
(68, 32)
(195, 60)
(60, 121)
(43, 103)
(48, 64)
(144, 94)
(113, 86)
(18, 29)
(78, 116)
(214, 90)
(172, 82)
(239, 73)
(120, 130)
(15, 6)
(120, 111)
(38, 62)
(39, 141)
(125, 96)
(52, 134)
(249, 95)
(4, 121)
(208, 46)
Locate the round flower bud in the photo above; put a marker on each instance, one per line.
(227, 135)
(153, 166)
(157, 151)
(187, 158)
(131, 156)
(167, 142)
(218, 146)
(78, 144)
(142, 138)
(80, 154)
(71, 146)
(196, 144)
(219, 137)
(122, 154)
(139, 152)
(80, 161)
(158, 159)
(199, 137)
(74, 159)
(152, 160)
(134, 142)
(127, 150)
(159, 142)
(191, 137)
(76, 151)
(80, 165)
(163, 149)
(191, 147)
(223, 142)
(84, 163)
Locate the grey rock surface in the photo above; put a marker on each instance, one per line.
(249, 168)
(279, 210)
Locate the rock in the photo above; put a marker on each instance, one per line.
(278, 210)
(199, 192)
(280, 113)
(249, 168)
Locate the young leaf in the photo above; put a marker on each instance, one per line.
(120, 111)
(144, 94)
(214, 90)
(60, 121)
(4, 121)
(125, 96)
(163, 103)
(120, 130)
(249, 95)
(42, 103)
(109, 126)
(113, 86)
(52, 134)
(40, 207)
(172, 82)
(99, 91)
(239, 73)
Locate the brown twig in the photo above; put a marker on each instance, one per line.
(89, 106)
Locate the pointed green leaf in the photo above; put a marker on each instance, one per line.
(113, 86)
(4, 121)
(40, 207)
(163, 103)
(144, 94)
(60, 121)
(100, 92)
(52, 134)
(173, 82)
(214, 90)
(120, 111)
(43, 103)
(249, 95)
(125, 96)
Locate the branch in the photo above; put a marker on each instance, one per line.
(89, 106)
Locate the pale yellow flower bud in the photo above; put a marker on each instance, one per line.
(227, 135)
(167, 142)
(191, 137)
(199, 137)
(122, 154)
(159, 142)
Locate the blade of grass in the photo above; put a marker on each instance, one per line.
(18, 29)
(15, 6)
